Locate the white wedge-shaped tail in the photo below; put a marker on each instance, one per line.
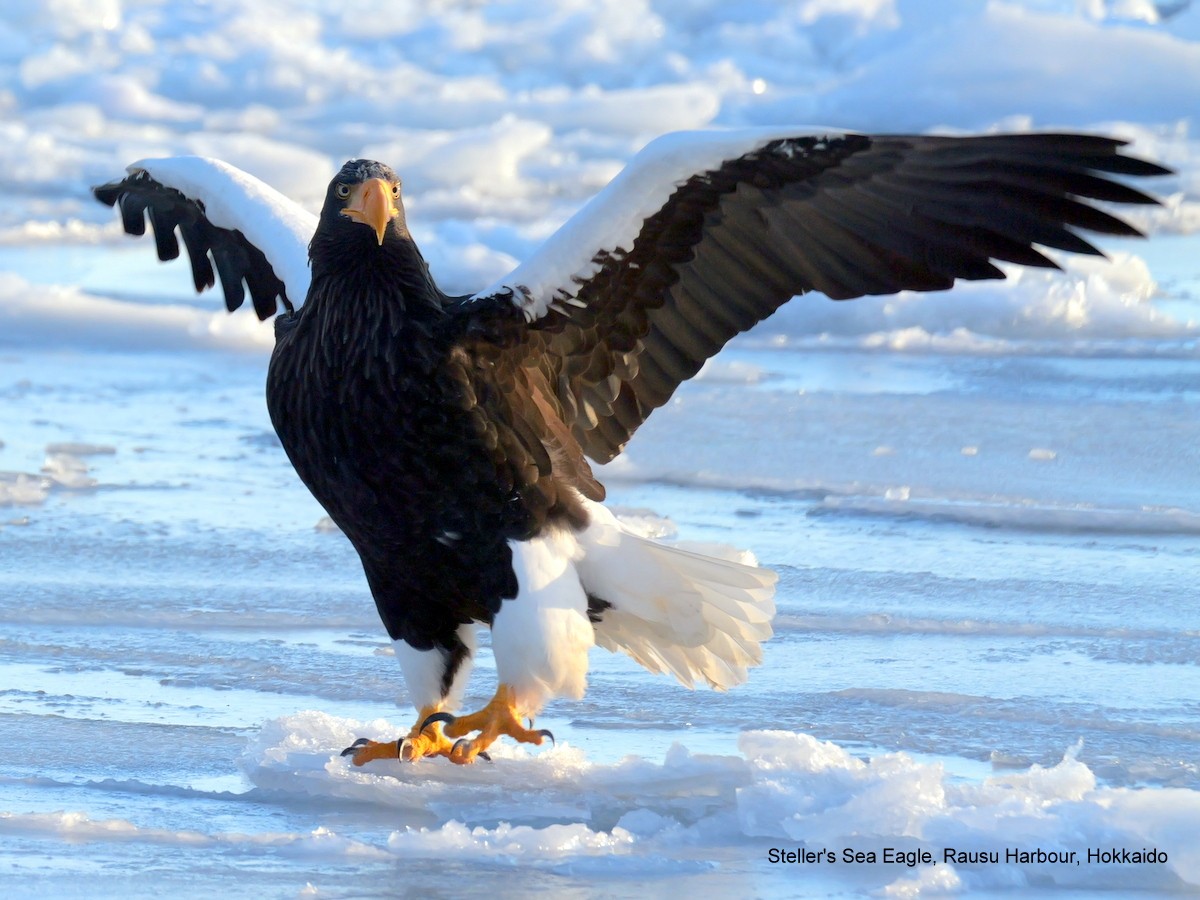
(697, 617)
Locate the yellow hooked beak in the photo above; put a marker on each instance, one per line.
(372, 204)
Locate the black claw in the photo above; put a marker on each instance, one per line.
(482, 754)
(437, 717)
(546, 733)
(353, 748)
(400, 745)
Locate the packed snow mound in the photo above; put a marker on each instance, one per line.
(780, 790)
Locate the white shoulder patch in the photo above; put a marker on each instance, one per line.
(236, 200)
(613, 218)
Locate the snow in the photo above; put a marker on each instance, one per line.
(789, 788)
(982, 504)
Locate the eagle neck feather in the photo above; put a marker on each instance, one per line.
(367, 300)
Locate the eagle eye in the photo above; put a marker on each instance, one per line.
(343, 191)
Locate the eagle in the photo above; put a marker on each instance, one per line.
(452, 437)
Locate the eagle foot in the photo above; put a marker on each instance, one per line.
(364, 750)
(499, 717)
(423, 740)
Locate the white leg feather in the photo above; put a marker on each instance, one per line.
(424, 671)
(542, 637)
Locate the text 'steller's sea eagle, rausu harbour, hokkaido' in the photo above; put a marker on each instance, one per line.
(450, 436)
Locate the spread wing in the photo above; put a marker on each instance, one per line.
(254, 237)
(704, 235)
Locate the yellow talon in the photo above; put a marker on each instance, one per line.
(437, 733)
(420, 742)
(499, 717)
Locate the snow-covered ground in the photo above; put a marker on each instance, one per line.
(984, 505)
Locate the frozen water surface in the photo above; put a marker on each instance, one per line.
(984, 506)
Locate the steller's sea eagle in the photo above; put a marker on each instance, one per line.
(450, 436)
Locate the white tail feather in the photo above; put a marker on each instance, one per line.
(695, 616)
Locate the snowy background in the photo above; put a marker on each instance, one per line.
(984, 505)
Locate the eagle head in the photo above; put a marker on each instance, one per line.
(365, 192)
